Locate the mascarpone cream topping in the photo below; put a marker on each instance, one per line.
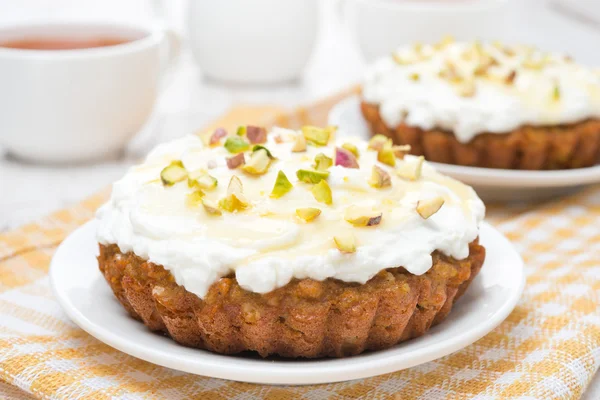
(473, 88)
(266, 244)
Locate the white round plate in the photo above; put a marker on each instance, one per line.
(490, 183)
(87, 299)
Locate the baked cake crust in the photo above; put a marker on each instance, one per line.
(305, 318)
(528, 148)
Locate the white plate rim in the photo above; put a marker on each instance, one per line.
(491, 176)
(289, 372)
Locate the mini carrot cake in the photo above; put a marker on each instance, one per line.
(288, 242)
(486, 105)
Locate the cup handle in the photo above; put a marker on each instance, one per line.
(171, 52)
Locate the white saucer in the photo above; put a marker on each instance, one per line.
(491, 184)
(87, 299)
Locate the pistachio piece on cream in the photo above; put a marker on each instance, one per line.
(236, 144)
(362, 216)
(261, 147)
(345, 242)
(235, 199)
(351, 148)
(201, 179)
(216, 136)
(411, 170)
(310, 176)
(466, 88)
(235, 161)
(317, 136)
(256, 134)
(386, 156)
(426, 208)
(380, 178)
(345, 158)
(510, 78)
(378, 141)
(241, 131)
(322, 162)
(194, 199)
(282, 185)
(299, 144)
(258, 164)
(322, 192)
(556, 92)
(308, 214)
(173, 173)
(211, 207)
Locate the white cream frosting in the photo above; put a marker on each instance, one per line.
(267, 245)
(413, 87)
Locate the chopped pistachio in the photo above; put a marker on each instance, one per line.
(556, 92)
(345, 158)
(446, 40)
(378, 141)
(401, 151)
(235, 199)
(282, 185)
(481, 69)
(510, 78)
(322, 162)
(400, 59)
(508, 51)
(216, 136)
(426, 208)
(466, 88)
(450, 72)
(259, 147)
(211, 207)
(258, 164)
(345, 242)
(386, 156)
(194, 199)
(308, 214)
(533, 64)
(309, 176)
(412, 170)
(202, 180)
(173, 173)
(361, 216)
(235, 161)
(256, 134)
(235, 186)
(299, 144)
(241, 131)
(322, 192)
(236, 144)
(380, 178)
(351, 148)
(317, 136)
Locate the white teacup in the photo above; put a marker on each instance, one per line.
(380, 26)
(79, 104)
(256, 42)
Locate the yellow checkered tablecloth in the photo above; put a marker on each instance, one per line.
(548, 348)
